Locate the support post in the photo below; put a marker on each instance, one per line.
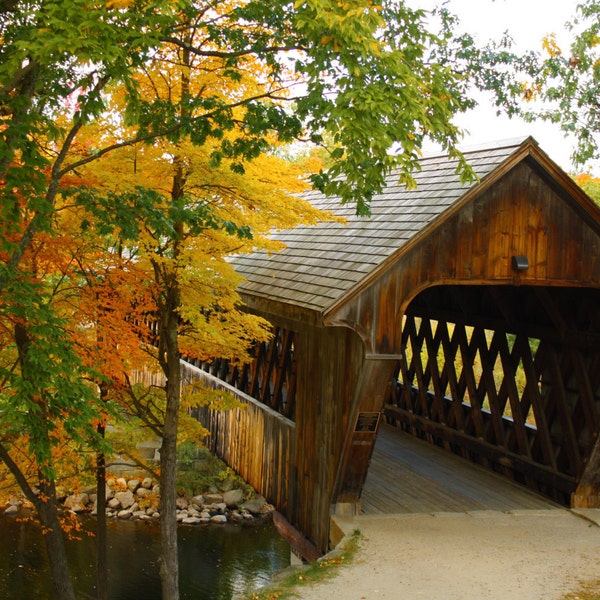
(587, 494)
(363, 424)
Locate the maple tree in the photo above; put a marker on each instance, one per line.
(590, 184)
(181, 106)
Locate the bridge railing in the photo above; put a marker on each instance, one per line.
(255, 440)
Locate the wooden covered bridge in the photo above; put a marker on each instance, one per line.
(465, 315)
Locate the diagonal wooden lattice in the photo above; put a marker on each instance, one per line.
(269, 378)
(526, 407)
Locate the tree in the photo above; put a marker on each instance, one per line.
(553, 84)
(248, 76)
(590, 184)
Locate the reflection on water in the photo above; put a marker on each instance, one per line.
(215, 561)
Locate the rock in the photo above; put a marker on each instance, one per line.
(113, 503)
(133, 485)
(125, 498)
(147, 483)
(76, 502)
(191, 521)
(199, 500)
(218, 519)
(255, 506)
(233, 498)
(124, 514)
(12, 509)
(121, 482)
(213, 498)
(227, 485)
(142, 492)
(181, 503)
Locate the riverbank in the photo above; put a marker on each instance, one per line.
(138, 499)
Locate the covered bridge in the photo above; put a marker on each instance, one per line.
(467, 315)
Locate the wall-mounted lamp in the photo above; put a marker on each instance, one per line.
(519, 263)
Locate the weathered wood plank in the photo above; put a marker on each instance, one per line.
(407, 475)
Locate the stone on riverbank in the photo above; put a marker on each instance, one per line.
(139, 499)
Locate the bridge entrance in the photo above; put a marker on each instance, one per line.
(505, 376)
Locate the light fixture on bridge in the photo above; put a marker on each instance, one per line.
(520, 263)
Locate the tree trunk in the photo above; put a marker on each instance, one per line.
(45, 501)
(55, 542)
(169, 567)
(101, 561)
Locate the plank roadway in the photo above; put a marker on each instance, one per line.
(408, 475)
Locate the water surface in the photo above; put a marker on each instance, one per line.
(216, 562)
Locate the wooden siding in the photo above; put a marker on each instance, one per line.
(329, 364)
(255, 441)
(520, 215)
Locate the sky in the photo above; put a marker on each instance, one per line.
(528, 21)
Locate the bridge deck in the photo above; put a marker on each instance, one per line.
(408, 475)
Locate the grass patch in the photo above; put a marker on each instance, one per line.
(587, 591)
(321, 570)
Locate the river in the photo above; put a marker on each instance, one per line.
(216, 562)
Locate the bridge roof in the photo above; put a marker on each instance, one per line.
(322, 264)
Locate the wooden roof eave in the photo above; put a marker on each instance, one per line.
(284, 313)
(529, 149)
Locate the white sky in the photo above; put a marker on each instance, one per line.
(528, 21)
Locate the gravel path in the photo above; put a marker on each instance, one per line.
(487, 555)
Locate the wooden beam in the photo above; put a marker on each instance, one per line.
(369, 397)
(301, 545)
(587, 494)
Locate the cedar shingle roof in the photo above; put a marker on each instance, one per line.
(322, 263)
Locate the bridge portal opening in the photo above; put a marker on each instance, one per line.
(505, 376)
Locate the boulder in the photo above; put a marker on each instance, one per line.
(233, 498)
(126, 499)
(142, 492)
(133, 485)
(147, 483)
(76, 502)
(213, 498)
(255, 506)
(218, 519)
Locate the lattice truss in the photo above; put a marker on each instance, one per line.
(271, 376)
(481, 386)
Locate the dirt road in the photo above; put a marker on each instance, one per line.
(487, 555)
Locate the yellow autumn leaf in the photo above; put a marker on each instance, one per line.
(550, 46)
